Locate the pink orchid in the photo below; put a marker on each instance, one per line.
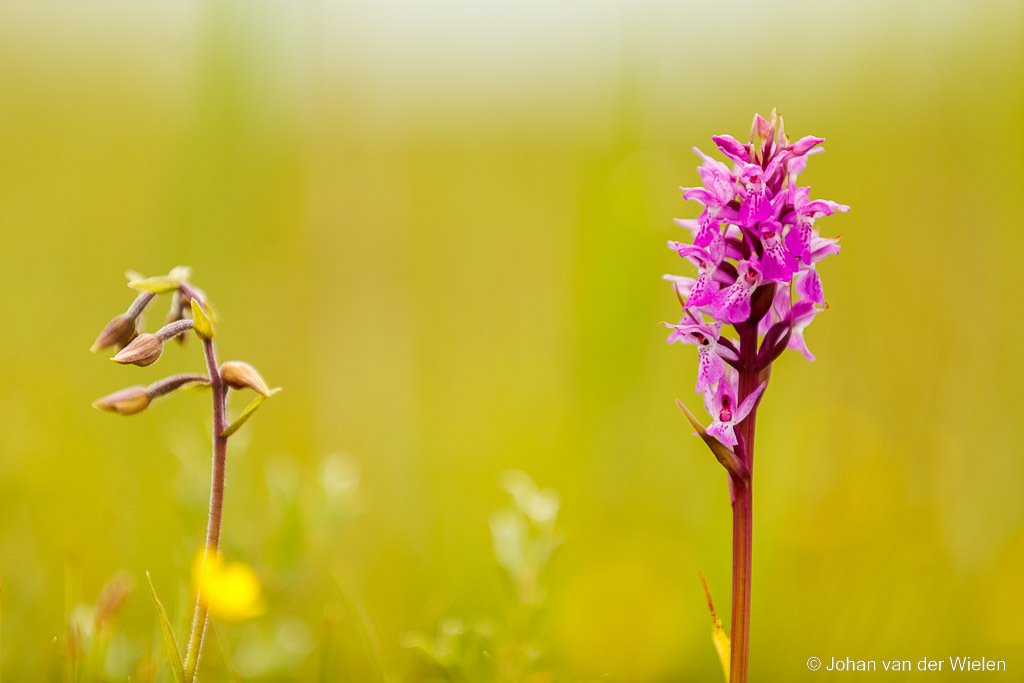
(756, 189)
(796, 315)
(802, 217)
(732, 304)
(721, 405)
(711, 353)
(704, 287)
(755, 247)
(801, 315)
(777, 263)
(732, 148)
(718, 190)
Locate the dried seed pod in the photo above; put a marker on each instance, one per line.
(240, 375)
(124, 402)
(144, 350)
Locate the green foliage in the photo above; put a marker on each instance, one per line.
(244, 416)
(507, 647)
(170, 644)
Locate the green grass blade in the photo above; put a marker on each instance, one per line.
(170, 644)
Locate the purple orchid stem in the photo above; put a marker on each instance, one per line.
(756, 250)
(220, 450)
(743, 513)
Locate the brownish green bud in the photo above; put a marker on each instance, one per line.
(240, 375)
(124, 402)
(144, 350)
(118, 333)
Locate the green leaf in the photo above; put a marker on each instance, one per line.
(246, 414)
(157, 285)
(170, 644)
(201, 322)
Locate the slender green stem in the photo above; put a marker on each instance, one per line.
(220, 449)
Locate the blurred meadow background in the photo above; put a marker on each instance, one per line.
(441, 228)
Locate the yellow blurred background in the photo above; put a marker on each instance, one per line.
(441, 228)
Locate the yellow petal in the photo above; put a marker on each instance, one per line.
(231, 591)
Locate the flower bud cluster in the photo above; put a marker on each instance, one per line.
(190, 310)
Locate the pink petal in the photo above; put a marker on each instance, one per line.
(732, 148)
(700, 194)
(796, 341)
(804, 145)
(703, 292)
(777, 264)
(733, 303)
(808, 285)
(710, 368)
(748, 404)
(723, 432)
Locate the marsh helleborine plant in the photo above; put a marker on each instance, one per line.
(189, 311)
(756, 250)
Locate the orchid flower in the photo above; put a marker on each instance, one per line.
(711, 353)
(802, 217)
(777, 263)
(732, 304)
(755, 247)
(704, 288)
(718, 190)
(721, 405)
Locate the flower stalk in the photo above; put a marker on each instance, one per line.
(145, 349)
(755, 250)
(220, 452)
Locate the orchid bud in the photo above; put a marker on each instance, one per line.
(118, 333)
(240, 375)
(124, 402)
(144, 350)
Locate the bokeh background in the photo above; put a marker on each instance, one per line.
(440, 227)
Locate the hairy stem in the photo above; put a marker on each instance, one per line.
(220, 449)
(743, 512)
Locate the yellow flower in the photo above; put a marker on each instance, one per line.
(230, 590)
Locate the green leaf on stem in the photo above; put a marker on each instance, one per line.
(201, 321)
(722, 453)
(246, 414)
(170, 644)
